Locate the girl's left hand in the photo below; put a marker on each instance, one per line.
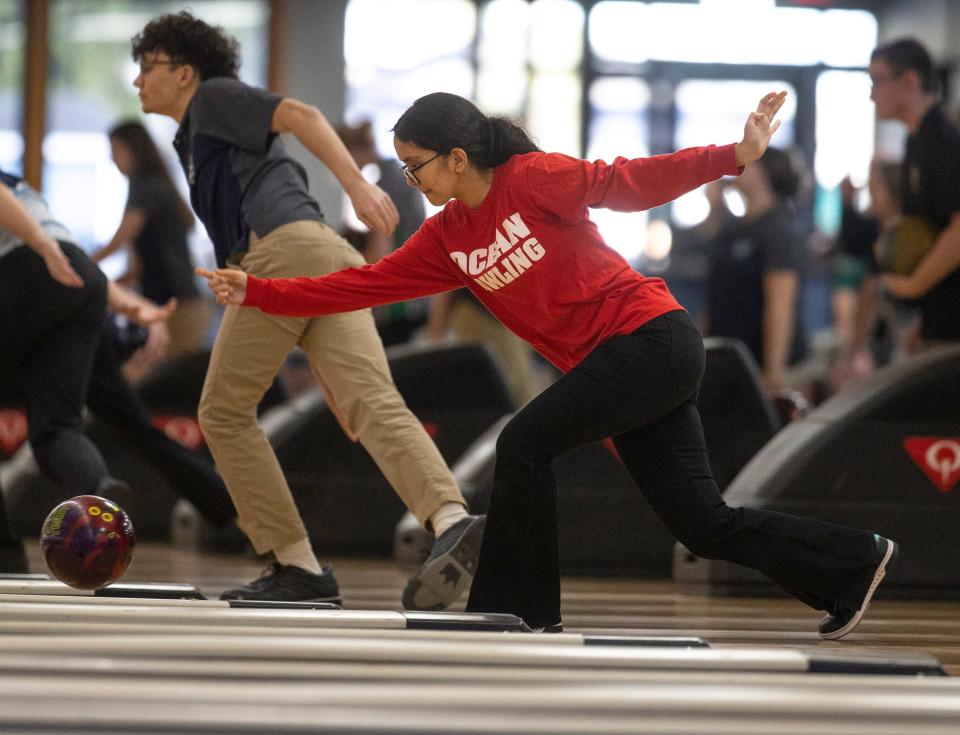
(760, 126)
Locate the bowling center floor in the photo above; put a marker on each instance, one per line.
(637, 655)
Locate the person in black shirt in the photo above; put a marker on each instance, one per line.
(155, 224)
(904, 89)
(753, 289)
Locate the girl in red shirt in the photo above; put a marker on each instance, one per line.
(515, 229)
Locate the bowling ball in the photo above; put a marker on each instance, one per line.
(87, 542)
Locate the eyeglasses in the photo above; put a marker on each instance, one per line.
(147, 66)
(411, 173)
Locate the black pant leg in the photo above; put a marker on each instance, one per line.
(816, 561)
(626, 381)
(115, 402)
(50, 333)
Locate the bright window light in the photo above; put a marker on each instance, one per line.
(618, 31)
(690, 209)
(714, 111)
(620, 94)
(843, 105)
(848, 37)
(553, 116)
(503, 34)
(502, 56)
(405, 35)
(712, 32)
(556, 33)
(625, 232)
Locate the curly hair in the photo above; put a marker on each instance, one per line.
(190, 41)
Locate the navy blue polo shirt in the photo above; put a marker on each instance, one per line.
(241, 178)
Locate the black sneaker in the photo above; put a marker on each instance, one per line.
(842, 620)
(448, 569)
(289, 584)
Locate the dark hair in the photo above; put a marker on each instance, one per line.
(781, 173)
(360, 136)
(908, 54)
(441, 122)
(146, 159)
(190, 41)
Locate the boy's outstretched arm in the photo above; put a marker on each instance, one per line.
(373, 206)
(760, 126)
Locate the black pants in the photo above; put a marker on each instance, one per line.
(56, 357)
(115, 403)
(49, 335)
(641, 389)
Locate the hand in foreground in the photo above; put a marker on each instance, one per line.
(58, 266)
(374, 207)
(229, 284)
(760, 126)
(122, 300)
(154, 351)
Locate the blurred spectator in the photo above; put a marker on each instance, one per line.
(904, 89)
(754, 286)
(853, 263)
(154, 228)
(692, 250)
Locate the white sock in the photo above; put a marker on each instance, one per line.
(300, 555)
(445, 516)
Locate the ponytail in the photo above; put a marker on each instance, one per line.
(441, 122)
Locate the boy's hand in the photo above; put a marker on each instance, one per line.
(374, 207)
(58, 266)
(229, 284)
(759, 127)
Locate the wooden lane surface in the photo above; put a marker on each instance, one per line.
(665, 705)
(606, 606)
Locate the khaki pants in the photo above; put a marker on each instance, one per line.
(347, 356)
(188, 326)
(471, 323)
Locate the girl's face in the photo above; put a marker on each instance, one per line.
(428, 172)
(122, 156)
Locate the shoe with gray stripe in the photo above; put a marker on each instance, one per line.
(449, 568)
(842, 620)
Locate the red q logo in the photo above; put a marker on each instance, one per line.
(938, 457)
(13, 430)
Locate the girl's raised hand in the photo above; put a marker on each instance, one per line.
(760, 126)
(228, 284)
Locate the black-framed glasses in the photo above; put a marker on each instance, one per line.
(147, 66)
(411, 173)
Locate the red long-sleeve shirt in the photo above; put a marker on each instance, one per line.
(529, 252)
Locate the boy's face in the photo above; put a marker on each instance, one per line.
(887, 89)
(161, 83)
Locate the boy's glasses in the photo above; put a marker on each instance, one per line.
(147, 66)
(411, 173)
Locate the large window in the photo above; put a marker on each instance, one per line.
(11, 87)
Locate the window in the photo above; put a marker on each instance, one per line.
(12, 34)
